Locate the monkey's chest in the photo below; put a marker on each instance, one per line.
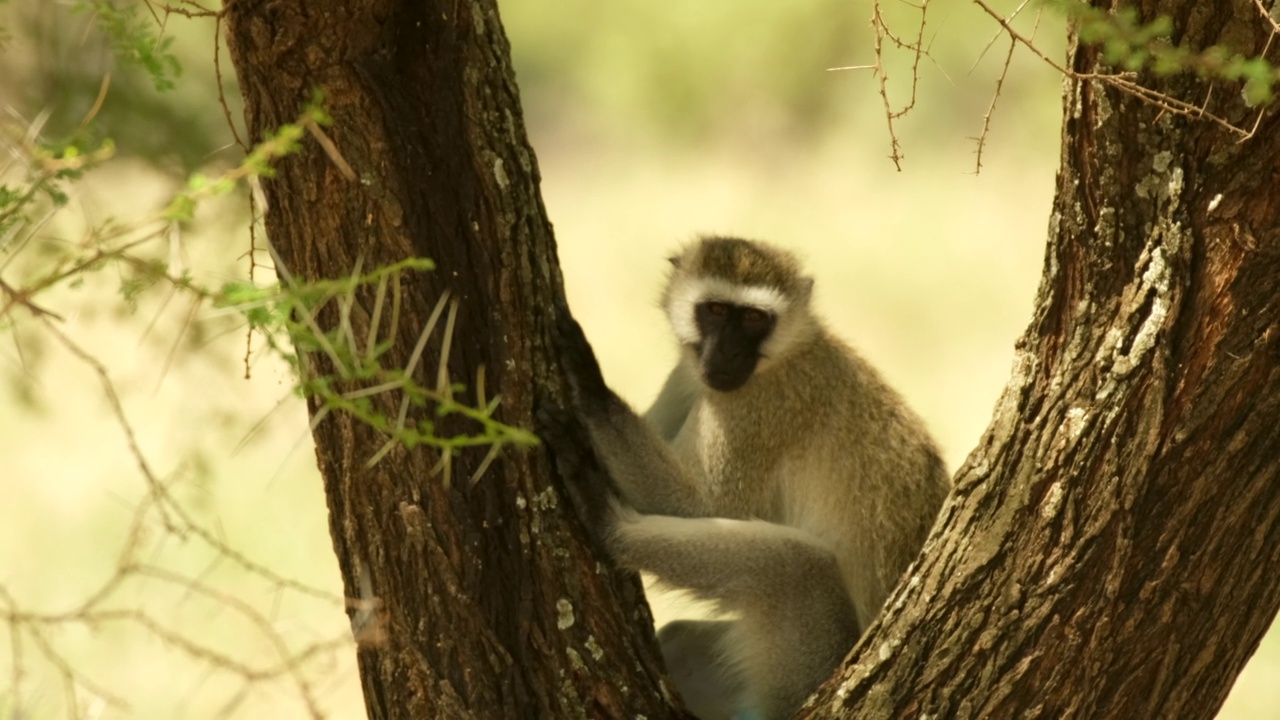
(736, 472)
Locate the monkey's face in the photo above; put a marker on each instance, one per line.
(729, 340)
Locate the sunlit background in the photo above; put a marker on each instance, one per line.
(652, 123)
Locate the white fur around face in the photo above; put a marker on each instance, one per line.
(793, 319)
(685, 296)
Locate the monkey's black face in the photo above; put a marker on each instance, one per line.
(730, 345)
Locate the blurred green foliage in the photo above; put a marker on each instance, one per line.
(687, 70)
(133, 39)
(683, 75)
(1130, 44)
(759, 71)
(97, 69)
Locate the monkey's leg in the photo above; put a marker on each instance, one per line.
(797, 621)
(695, 656)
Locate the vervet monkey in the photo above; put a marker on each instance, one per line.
(776, 475)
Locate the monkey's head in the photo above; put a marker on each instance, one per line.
(737, 307)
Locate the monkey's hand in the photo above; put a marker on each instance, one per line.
(586, 382)
(588, 486)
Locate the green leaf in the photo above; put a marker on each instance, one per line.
(181, 209)
(1259, 90)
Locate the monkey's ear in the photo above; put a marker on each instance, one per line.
(675, 261)
(804, 288)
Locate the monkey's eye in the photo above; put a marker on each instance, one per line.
(717, 309)
(755, 317)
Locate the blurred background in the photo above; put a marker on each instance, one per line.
(652, 123)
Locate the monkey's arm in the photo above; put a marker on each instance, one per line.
(742, 564)
(795, 619)
(644, 470)
(671, 408)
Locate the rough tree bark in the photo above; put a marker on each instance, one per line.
(486, 602)
(1110, 550)
(1112, 546)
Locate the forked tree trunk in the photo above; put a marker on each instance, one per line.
(1112, 549)
(484, 601)
(1113, 544)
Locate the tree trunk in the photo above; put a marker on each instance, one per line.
(1112, 546)
(468, 600)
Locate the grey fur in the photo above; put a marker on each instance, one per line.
(795, 502)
